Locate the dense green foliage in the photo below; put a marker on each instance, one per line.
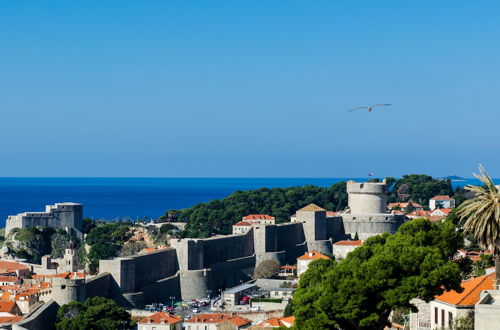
(418, 188)
(94, 313)
(31, 243)
(59, 241)
(105, 241)
(266, 269)
(217, 216)
(382, 275)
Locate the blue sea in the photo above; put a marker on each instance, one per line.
(132, 198)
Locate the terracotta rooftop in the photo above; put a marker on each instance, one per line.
(8, 278)
(160, 318)
(472, 289)
(311, 208)
(419, 213)
(10, 319)
(218, 318)
(258, 217)
(278, 322)
(312, 255)
(445, 211)
(358, 242)
(243, 223)
(441, 198)
(288, 267)
(11, 266)
(7, 306)
(239, 321)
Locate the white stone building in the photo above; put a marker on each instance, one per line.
(308, 257)
(441, 202)
(342, 248)
(451, 305)
(247, 221)
(210, 321)
(160, 321)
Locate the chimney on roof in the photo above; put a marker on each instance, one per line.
(311, 254)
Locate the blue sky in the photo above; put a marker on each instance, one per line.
(248, 88)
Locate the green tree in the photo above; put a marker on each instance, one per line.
(382, 275)
(94, 313)
(106, 241)
(217, 216)
(289, 308)
(481, 217)
(266, 269)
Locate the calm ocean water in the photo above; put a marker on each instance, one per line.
(114, 198)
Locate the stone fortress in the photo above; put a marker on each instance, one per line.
(67, 216)
(193, 268)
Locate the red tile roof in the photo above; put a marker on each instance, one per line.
(331, 214)
(10, 319)
(218, 318)
(419, 213)
(239, 321)
(472, 289)
(445, 211)
(257, 217)
(278, 322)
(7, 306)
(313, 255)
(243, 223)
(359, 242)
(288, 267)
(12, 266)
(441, 198)
(161, 318)
(8, 279)
(403, 205)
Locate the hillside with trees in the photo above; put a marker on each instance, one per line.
(217, 216)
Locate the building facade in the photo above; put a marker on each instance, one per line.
(67, 216)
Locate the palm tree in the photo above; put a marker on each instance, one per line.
(481, 217)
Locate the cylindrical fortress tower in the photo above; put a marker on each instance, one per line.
(367, 197)
(66, 290)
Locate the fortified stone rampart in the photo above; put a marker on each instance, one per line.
(132, 273)
(66, 290)
(368, 225)
(61, 215)
(194, 267)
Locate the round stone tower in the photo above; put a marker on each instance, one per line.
(367, 197)
(66, 290)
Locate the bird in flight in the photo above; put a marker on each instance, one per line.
(370, 108)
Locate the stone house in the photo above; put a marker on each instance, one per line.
(441, 201)
(160, 321)
(247, 221)
(342, 248)
(308, 257)
(211, 321)
(445, 308)
(440, 212)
